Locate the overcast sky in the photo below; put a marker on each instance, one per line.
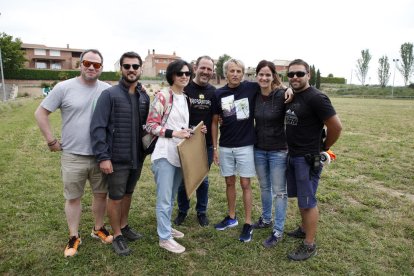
(328, 34)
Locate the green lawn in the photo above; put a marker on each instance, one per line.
(366, 201)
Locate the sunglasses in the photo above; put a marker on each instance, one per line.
(186, 73)
(128, 66)
(299, 74)
(95, 65)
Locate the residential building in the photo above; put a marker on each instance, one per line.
(281, 66)
(44, 57)
(156, 64)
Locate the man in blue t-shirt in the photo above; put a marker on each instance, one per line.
(305, 119)
(234, 103)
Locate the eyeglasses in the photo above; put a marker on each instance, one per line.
(128, 66)
(95, 65)
(186, 73)
(299, 74)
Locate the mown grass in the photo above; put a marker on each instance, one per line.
(366, 204)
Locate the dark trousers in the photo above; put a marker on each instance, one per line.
(201, 192)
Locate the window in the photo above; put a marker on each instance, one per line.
(41, 65)
(54, 53)
(40, 52)
(56, 66)
(162, 72)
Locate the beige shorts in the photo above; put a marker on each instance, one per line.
(75, 170)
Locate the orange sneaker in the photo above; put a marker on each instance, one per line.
(102, 234)
(72, 247)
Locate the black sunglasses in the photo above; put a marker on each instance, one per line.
(128, 66)
(180, 74)
(299, 74)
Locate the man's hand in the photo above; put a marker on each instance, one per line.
(289, 95)
(216, 157)
(106, 167)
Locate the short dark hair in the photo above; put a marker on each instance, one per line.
(299, 62)
(203, 57)
(93, 51)
(130, 55)
(175, 67)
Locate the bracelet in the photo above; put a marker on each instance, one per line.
(52, 143)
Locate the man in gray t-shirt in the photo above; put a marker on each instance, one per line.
(76, 99)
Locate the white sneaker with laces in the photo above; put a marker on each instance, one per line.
(172, 246)
(176, 234)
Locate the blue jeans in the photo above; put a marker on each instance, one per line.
(202, 192)
(167, 178)
(271, 173)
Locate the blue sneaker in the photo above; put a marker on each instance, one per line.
(227, 222)
(247, 233)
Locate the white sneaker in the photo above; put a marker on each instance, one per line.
(176, 234)
(172, 246)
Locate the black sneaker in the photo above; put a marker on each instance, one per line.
(130, 234)
(247, 233)
(180, 218)
(303, 252)
(297, 233)
(273, 240)
(260, 224)
(120, 246)
(202, 219)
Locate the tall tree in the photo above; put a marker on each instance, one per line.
(219, 66)
(406, 67)
(11, 53)
(383, 71)
(318, 79)
(363, 65)
(312, 80)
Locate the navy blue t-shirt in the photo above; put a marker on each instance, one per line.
(236, 108)
(201, 98)
(304, 119)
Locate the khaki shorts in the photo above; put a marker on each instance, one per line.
(75, 170)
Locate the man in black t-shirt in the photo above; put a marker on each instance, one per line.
(235, 105)
(201, 95)
(305, 119)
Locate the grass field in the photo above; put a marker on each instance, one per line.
(366, 201)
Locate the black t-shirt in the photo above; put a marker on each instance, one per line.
(304, 119)
(201, 98)
(236, 108)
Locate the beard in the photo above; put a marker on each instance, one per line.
(127, 79)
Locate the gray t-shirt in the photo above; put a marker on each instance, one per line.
(76, 101)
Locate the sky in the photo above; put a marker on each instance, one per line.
(327, 34)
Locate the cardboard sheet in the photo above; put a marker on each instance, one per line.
(194, 160)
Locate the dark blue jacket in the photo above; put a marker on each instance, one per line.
(111, 127)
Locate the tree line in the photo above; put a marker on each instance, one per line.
(405, 65)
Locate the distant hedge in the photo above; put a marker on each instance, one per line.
(333, 80)
(40, 74)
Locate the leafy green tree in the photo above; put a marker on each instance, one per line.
(312, 80)
(363, 65)
(406, 67)
(11, 53)
(219, 66)
(318, 79)
(383, 71)
(330, 75)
